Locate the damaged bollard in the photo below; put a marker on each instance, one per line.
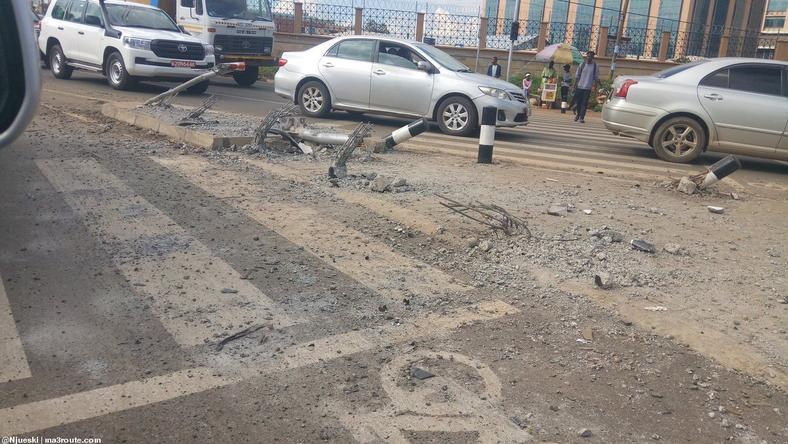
(487, 134)
(408, 131)
(720, 170)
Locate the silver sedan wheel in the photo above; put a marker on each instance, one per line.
(116, 72)
(679, 139)
(313, 99)
(455, 117)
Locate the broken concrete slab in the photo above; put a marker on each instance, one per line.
(687, 186)
(381, 184)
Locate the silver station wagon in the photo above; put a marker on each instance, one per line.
(730, 105)
(390, 76)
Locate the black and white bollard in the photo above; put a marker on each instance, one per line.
(720, 169)
(412, 129)
(487, 134)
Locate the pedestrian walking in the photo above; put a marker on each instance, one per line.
(566, 82)
(494, 69)
(587, 78)
(527, 85)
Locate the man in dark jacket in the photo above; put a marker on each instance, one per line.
(494, 70)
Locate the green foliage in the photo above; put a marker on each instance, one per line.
(268, 72)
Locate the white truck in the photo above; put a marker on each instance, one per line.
(239, 30)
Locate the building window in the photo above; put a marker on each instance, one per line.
(774, 22)
(777, 6)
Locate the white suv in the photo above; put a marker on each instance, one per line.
(124, 41)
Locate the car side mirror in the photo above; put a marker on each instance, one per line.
(93, 21)
(187, 3)
(424, 66)
(20, 84)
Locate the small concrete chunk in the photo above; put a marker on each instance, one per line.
(557, 210)
(420, 373)
(687, 186)
(584, 433)
(381, 184)
(716, 210)
(603, 280)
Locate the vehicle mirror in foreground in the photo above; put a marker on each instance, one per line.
(424, 66)
(20, 83)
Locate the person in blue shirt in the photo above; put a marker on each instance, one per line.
(587, 77)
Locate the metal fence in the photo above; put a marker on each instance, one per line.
(452, 29)
(391, 22)
(327, 19)
(463, 30)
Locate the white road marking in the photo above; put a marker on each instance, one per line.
(13, 361)
(182, 277)
(39, 415)
(375, 264)
(417, 408)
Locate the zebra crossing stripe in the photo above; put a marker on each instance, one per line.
(155, 254)
(324, 237)
(13, 361)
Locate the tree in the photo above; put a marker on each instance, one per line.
(375, 27)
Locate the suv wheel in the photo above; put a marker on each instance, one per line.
(457, 116)
(313, 99)
(117, 76)
(57, 63)
(679, 140)
(247, 77)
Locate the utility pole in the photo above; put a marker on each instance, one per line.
(619, 31)
(515, 19)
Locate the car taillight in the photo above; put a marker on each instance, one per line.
(622, 92)
(282, 62)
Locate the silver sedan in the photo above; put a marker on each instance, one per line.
(383, 75)
(731, 105)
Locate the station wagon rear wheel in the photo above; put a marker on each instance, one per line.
(679, 140)
(313, 99)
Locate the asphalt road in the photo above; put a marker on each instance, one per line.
(148, 293)
(551, 140)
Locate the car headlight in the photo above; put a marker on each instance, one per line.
(208, 50)
(133, 42)
(495, 92)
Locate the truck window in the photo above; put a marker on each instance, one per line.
(59, 10)
(76, 11)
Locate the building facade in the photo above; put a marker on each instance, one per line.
(697, 27)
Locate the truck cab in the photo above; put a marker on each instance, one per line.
(239, 30)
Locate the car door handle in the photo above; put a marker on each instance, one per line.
(379, 72)
(328, 65)
(81, 32)
(713, 96)
(60, 28)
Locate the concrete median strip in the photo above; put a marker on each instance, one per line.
(125, 112)
(40, 415)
